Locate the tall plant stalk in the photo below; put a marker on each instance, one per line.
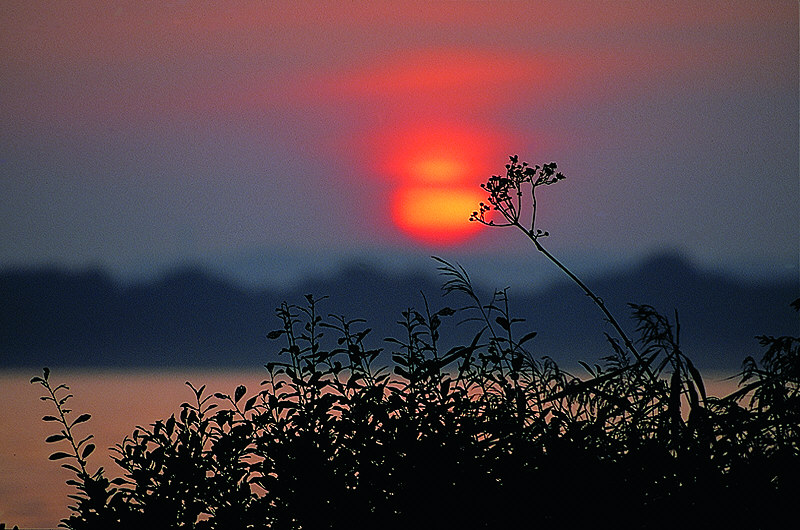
(506, 195)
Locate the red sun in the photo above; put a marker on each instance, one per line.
(437, 215)
(436, 172)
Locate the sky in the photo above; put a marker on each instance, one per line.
(280, 138)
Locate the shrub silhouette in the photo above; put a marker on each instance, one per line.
(483, 435)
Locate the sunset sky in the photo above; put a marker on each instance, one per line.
(138, 135)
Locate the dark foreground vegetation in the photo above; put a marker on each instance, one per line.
(483, 435)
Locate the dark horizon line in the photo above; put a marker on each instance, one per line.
(190, 317)
(415, 271)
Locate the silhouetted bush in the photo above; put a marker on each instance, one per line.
(482, 435)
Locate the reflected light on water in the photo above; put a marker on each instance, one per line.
(33, 493)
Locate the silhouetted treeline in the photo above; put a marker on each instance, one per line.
(192, 318)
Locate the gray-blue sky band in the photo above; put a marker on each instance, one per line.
(137, 138)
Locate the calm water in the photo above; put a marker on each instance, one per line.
(33, 493)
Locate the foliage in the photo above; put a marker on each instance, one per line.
(482, 435)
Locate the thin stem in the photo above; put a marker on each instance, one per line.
(67, 428)
(596, 299)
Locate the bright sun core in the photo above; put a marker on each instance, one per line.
(436, 215)
(437, 169)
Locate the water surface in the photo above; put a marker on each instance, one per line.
(33, 493)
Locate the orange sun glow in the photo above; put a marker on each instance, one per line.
(436, 173)
(437, 169)
(436, 215)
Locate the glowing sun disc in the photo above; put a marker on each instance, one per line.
(436, 215)
(437, 169)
